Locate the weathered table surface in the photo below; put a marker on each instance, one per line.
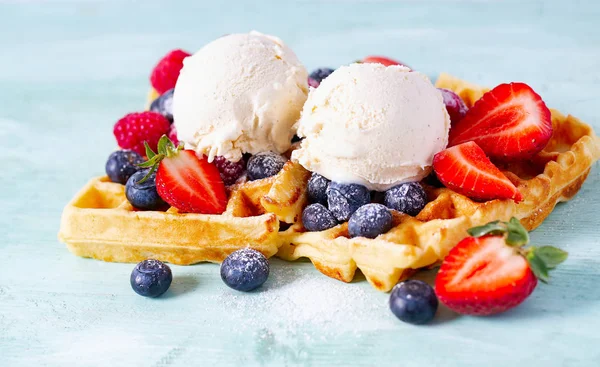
(70, 69)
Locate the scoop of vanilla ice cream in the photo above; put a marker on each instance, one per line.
(372, 125)
(241, 93)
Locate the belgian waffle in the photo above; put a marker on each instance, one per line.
(100, 223)
(552, 176)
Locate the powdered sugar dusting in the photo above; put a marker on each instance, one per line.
(297, 298)
(265, 164)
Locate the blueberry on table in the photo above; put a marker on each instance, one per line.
(317, 189)
(265, 164)
(344, 199)
(370, 221)
(317, 217)
(413, 301)
(409, 198)
(245, 270)
(164, 104)
(151, 278)
(143, 195)
(122, 164)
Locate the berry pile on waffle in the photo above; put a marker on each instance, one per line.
(367, 167)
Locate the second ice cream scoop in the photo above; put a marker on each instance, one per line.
(373, 125)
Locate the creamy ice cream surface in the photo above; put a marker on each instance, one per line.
(241, 93)
(372, 125)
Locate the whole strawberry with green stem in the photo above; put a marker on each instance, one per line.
(185, 181)
(493, 270)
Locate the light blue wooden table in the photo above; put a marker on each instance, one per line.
(70, 69)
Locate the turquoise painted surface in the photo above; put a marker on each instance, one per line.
(69, 69)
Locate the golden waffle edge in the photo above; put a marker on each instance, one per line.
(552, 176)
(100, 223)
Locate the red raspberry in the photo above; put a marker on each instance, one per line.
(132, 130)
(165, 73)
(230, 171)
(173, 135)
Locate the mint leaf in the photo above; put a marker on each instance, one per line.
(494, 227)
(551, 256)
(538, 266)
(517, 234)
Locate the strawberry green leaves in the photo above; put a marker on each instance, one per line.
(165, 148)
(541, 259)
(552, 256)
(516, 234)
(538, 266)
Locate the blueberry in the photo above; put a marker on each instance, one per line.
(413, 301)
(370, 221)
(409, 198)
(245, 270)
(265, 164)
(164, 105)
(317, 189)
(151, 278)
(143, 196)
(344, 199)
(230, 171)
(316, 77)
(122, 164)
(317, 217)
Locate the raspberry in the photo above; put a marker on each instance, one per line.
(132, 130)
(173, 135)
(165, 73)
(230, 171)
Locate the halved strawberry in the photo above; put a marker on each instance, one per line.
(509, 122)
(382, 60)
(492, 272)
(466, 170)
(186, 182)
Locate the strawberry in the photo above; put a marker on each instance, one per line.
(184, 181)
(510, 122)
(382, 60)
(466, 170)
(134, 129)
(165, 73)
(491, 271)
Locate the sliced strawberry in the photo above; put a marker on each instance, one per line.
(186, 182)
(509, 122)
(466, 170)
(382, 60)
(492, 272)
(483, 276)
